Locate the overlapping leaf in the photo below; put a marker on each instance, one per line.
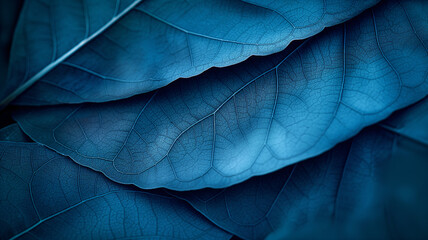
(397, 206)
(219, 128)
(13, 133)
(99, 50)
(333, 185)
(339, 186)
(229, 124)
(45, 195)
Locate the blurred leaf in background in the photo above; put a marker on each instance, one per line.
(9, 12)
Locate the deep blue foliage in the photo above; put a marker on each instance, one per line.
(229, 124)
(100, 50)
(9, 12)
(337, 187)
(256, 121)
(45, 195)
(13, 133)
(397, 204)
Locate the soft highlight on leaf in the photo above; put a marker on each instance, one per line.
(102, 50)
(228, 125)
(396, 206)
(339, 187)
(332, 185)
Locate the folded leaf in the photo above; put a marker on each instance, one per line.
(47, 196)
(101, 50)
(338, 187)
(227, 125)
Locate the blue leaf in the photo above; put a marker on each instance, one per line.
(47, 196)
(228, 125)
(122, 48)
(334, 183)
(9, 12)
(339, 187)
(398, 204)
(13, 133)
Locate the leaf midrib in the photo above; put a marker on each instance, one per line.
(55, 63)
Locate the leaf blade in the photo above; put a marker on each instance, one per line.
(46, 195)
(144, 50)
(333, 192)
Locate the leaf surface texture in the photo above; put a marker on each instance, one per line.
(227, 125)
